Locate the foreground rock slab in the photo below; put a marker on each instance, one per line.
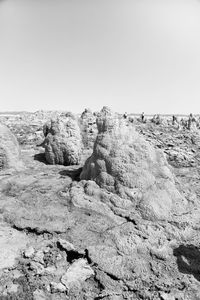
(12, 242)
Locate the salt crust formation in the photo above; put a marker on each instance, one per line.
(88, 127)
(9, 149)
(125, 164)
(62, 238)
(63, 142)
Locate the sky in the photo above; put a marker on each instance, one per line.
(131, 55)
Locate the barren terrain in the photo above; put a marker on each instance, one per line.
(66, 233)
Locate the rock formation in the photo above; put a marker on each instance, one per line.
(125, 164)
(65, 238)
(9, 149)
(63, 143)
(88, 128)
(47, 128)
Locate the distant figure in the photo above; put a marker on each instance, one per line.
(174, 120)
(125, 115)
(142, 117)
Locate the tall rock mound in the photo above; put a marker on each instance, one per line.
(88, 127)
(63, 142)
(125, 164)
(9, 149)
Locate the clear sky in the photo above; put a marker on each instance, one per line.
(132, 55)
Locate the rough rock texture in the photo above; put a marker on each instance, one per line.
(88, 127)
(63, 143)
(124, 163)
(47, 128)
(9, 149)
(12, 242)
(76, 228)
(78, 272)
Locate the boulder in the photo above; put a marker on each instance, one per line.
(125, 164)
(9, 149)
(77, 273)
(12, 242)
(63, 142)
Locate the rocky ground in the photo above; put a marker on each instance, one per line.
(66, 238)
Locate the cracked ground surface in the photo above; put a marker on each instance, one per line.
(62, 238)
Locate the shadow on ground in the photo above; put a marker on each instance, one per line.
(73, 173)
(188, 260)
(41, 158)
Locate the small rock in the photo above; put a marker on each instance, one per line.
(78, 272)
(5, 293)
(39, 295)
(51, 270)
(39, 257)
(39, 269)
(165, 296)
(16, 274)
(46, 250)
(161, 253)
(13, 288)
(48, 288)
(29, 252)
(57, 287)
(6, 271)
(66, 245)
(59, 256)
